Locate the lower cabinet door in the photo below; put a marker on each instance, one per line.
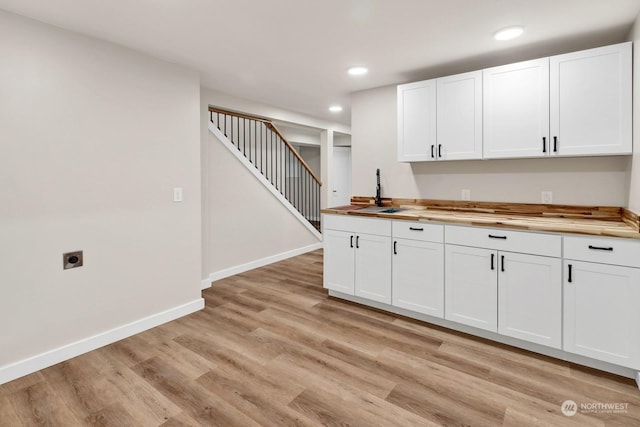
(339, 261)
(373, 267)
(602, 312)
(418, 276)
(471, 286)
(530, 298)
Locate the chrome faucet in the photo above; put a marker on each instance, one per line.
(378, 197)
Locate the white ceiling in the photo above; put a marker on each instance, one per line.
(294, 53)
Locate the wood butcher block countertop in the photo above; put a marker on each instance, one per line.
(590, 220)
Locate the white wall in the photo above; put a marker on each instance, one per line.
(243, 222)
(341, 140)
(93, 138)
(578, 181)
(634, 185)
(279, 115)
(300, 136)
(311, 156)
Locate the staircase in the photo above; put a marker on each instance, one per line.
(263, 149)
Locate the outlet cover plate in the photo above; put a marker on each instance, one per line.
(546, 197)
(465, 194)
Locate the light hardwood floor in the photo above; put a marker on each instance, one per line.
(271, 349)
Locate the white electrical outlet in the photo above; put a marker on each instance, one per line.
(465, 194)
(177, 194)
(547, 197)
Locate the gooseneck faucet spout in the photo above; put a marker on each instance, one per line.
(378, 196)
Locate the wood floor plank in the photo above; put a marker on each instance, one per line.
(329, 409)
(271, 348)
(471, 392)
(279, 388)
(181, 420)
(8, 416)
(142, 401)
(369, 407)
(523, 417)
(21, 383)
(206, 408)
(112, 416)
(328, 366)
(439, 408)
(80, 386)
(251, 400)
(36, 405)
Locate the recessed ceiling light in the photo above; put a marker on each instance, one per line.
(357, 71)
(335, 108)
(508, 33)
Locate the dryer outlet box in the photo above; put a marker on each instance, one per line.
(72, 260)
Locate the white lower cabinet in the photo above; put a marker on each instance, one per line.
(357, 257)
(471, 287)
(497, 289)
(373, 267)
(418, 272)
(530, 298)
(576, 293)
(602, 301)
(339, 261)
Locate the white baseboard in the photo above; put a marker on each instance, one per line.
(638, 380)
(66, 352)
(227, 272)
(205, 284)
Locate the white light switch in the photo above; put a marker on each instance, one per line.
(177, 194)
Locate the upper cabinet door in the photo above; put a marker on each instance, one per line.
(417, 121)
(591, 101)
(516, 110)
(459, 118)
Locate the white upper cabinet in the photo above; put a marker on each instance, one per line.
(416, 121)
(576, 104)
(516, 110)
(459, 121)
(441, 119)
(591, 101)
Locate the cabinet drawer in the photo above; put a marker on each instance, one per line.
(418, 231)
(381, 227)
(504, 240)
(603, 250)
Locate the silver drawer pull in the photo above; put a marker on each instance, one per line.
(599, 248)
(416, 229)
